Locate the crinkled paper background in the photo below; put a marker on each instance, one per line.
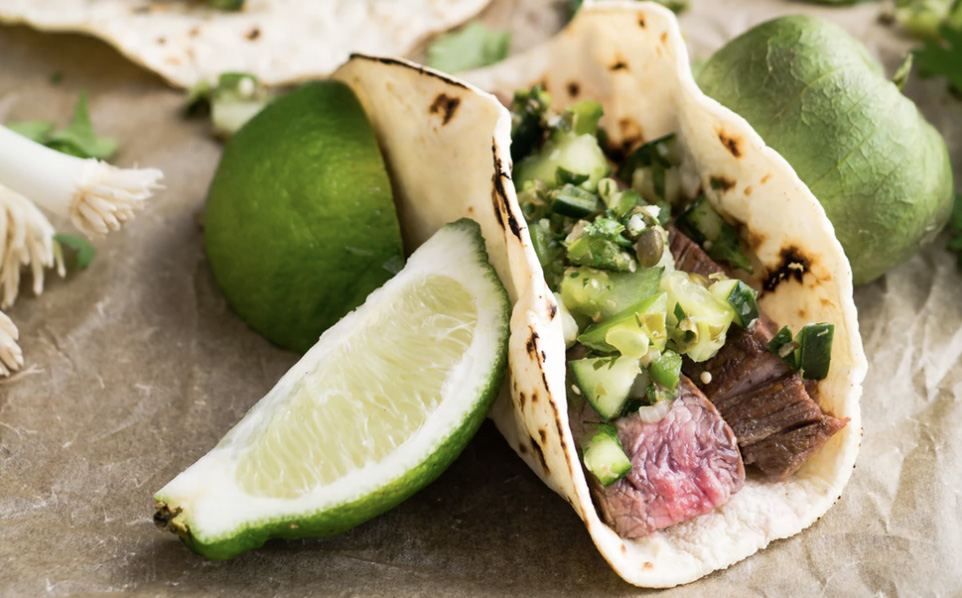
(135, 368)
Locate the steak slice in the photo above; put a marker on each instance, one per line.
(780, 405)
(682, 466)
(766, 403)
(742, 365)
(689, 256)
(780, 455)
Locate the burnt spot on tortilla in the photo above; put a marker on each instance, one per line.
(766, 178)
(532, 344)
(802, 313)
(522, 449)
(664, 37)
(755, 239)
(543, 433)
(161, 41)
(420, 69)
(619, 64)
(731, 143)
(194, 32)
(631, 133)
(826, 302)
(446, 106)
(792, 263)
(521, 399)
(540, 454)
(647, 565)
(502, 207)
(543, 357)
(534, 396)
(723, 183)
(470, 209)
(573, 89)
(552, 310)
(253, 34)
(641, 21)
(624, 549)
(748, 191)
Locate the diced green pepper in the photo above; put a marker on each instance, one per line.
(666, 370)
(815, 350)
(784, 347)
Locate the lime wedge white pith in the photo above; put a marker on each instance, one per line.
(385, 400)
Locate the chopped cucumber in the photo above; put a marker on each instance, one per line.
(698, 323)
(604, 456)
(742, 298)
(605, 382)
(705, 226)
(634, 332)
(578, 154)
(666, 369)
(574, 201)
(597, 294)
(584, 116)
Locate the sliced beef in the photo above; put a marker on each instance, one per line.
(771, 410)
(689, 256)
(760, 413)
(682, 466)
(743, 364)
(780, 455)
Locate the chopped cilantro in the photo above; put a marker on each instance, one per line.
(474, 46)
(81, 247)
(76, 139)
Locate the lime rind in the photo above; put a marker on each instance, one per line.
(205, 504)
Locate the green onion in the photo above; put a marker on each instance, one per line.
(96, 196)
(11, 357)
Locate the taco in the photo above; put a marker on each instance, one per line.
(650, 385)
(279, 41)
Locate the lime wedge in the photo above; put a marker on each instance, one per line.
(378, 408)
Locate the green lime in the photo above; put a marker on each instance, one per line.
(300, 223)
(814, 93)
(377, 409)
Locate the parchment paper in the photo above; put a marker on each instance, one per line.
(135, 368)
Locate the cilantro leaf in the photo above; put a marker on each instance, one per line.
(81, 247)
(34, 130)
(473, 46)
(943, 57)
(76, 139)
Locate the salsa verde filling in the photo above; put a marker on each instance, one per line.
(631, 317)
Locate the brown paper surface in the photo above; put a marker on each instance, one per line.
(136, 367)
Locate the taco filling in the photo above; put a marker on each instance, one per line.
(677, 384)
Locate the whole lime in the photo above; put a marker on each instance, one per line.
(300, 224)
(814, 94)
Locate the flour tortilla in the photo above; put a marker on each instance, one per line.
(279, 41)
(631, 58)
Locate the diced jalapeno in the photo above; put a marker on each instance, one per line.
(666, 369)
(815, 350)
(574, 201)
